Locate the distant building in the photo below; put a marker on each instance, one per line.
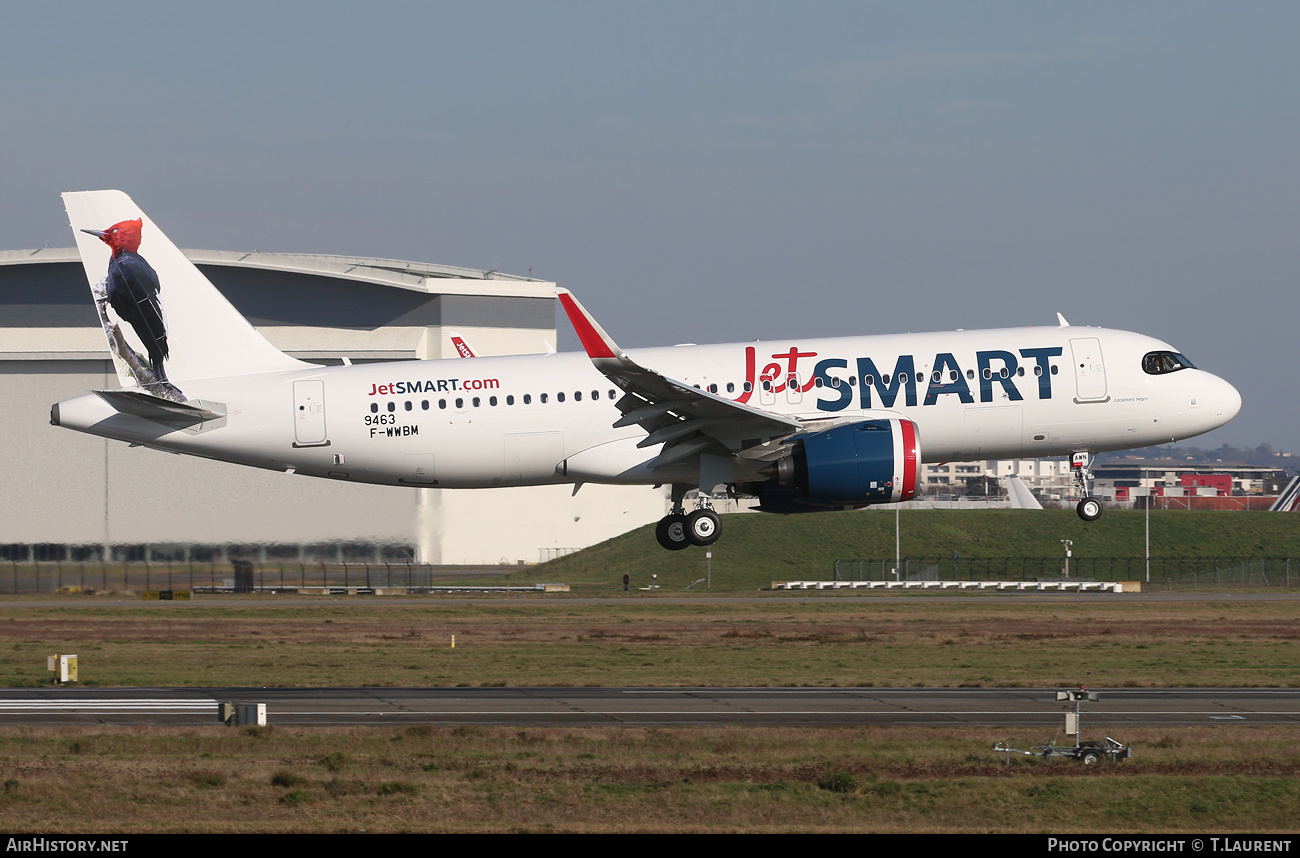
(1050, 479)
(1172, 478)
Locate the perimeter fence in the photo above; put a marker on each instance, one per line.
(1164, 571)
(231, 577)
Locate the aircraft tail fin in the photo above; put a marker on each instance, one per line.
(462, 347)
(165, 322)
(1021, 496)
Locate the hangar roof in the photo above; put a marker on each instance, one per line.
(310, 306)
(400, 274)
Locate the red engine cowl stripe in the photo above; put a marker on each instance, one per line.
(911, 461)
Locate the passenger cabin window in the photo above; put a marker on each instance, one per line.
(374, 407)
(1159, 363)
(528, 399)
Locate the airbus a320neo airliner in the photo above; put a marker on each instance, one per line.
(801, 424)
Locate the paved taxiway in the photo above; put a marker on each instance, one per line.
(564, 707)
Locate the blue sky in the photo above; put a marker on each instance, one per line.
(700, 171)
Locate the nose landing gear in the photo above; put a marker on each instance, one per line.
(1089, 509)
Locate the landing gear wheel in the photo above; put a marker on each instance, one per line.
(1089, 509)
(671, 532)
(703, 527)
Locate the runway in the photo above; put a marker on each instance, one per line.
(571, 707)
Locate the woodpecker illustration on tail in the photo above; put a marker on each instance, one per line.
(131, 288)
(160, 346)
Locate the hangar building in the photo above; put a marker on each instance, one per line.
(74, 496)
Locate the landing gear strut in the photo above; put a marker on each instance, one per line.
(1089, 508)
(677, 530)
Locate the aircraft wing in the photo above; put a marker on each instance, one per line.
(682, 417)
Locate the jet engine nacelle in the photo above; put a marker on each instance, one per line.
(872, 461)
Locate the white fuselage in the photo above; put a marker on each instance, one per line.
(537, 419)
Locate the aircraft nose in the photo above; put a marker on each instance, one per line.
(1225, 400)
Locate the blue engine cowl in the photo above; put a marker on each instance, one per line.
(873, 461)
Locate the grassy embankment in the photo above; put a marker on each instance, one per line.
(757, 549)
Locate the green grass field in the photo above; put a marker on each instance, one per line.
(108, 780)
(814, 640)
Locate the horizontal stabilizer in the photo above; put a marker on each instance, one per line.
(139, 404)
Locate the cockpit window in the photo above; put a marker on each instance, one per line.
(1159, 363)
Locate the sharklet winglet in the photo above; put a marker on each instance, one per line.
(595, 341)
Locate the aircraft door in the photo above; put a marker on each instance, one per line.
(766, 391)
(309, 413)
(793, 390)
(1089, 370)
(531, 455)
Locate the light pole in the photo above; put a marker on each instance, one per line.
(898, 554)
(1067, 543)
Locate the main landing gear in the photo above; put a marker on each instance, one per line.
(677, 530)
(1089, 508)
